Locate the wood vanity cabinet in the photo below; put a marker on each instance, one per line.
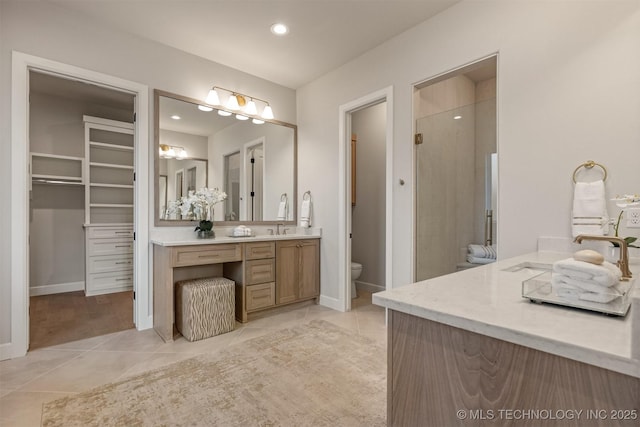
(297, 270)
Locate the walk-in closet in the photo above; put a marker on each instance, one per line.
(81, 209)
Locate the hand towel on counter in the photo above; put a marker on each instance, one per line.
(282, 210)
(605, 274)
(305, 214)
(481, 251)
(589, 213)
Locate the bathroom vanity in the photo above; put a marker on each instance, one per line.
(269, 271)
(467, 349)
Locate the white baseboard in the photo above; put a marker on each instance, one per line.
(9, 351)
(332, 303)
(58, 288)
(369, 287)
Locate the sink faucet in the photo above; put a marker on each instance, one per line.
(278, 228)
(623, 262)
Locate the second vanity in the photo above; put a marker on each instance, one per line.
(467, 349)
(269, 271)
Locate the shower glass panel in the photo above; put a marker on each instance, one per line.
(456, 177)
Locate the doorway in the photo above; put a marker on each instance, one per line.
(456, 170)
(384, 98)
(82, 172)
(22, 64)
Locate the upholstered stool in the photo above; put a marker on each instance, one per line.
(205, 307)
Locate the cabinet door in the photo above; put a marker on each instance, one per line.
(286, 271)
(309, 273)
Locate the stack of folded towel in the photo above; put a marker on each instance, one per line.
(241, 231)
(479, 254)
(586, 277)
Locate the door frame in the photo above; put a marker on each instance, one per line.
(21, 65)
(344, 191)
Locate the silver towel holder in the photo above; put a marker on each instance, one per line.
(306, 195)
(589, 164)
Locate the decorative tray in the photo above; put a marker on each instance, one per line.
(539, 289)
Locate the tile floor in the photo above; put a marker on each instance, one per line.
(53, 372)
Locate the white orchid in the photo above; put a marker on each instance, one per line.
(199, 204)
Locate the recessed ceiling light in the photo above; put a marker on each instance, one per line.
(175, 117)
(457, 117)
(279, 29)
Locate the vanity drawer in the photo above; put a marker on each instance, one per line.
(259, 271)
(110, 232)
(209, 254)
(259, 250)
(261, 296)
(106, 264)
(109, 247)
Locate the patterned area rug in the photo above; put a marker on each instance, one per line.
(315, 374)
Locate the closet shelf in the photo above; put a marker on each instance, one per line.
(64, 179)
(110, 165)
(56, 156)
(56, 181)
(108, 146)
(94, 184)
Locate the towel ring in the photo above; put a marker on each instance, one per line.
(306, 195)
(283, 197)
(588, 165)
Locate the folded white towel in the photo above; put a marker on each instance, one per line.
(570, 292)
(589, 213)
(478, 260)
(584, 285)
(481, 251)
(605, 274)
(282, 210)
(305, 214)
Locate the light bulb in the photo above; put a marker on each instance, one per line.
(257, 121)
(182, 154)
(204, 108)
(251, 108)
(171, 152)
(232, 103)
(212, 98)
(224, 113)
(267, 113)
(241, 117)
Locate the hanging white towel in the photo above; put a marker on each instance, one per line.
(282, 210)
(589, 214)
(305, 213)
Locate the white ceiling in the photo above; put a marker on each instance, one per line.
(324, 34)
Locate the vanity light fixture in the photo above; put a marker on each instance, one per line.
(204, 108)
(244, 104)
(172, 152)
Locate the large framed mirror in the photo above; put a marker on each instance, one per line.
(255, 164)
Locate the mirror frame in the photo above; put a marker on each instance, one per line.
(157, 93)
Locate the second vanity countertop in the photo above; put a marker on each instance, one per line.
(488, 300)
(183, 237)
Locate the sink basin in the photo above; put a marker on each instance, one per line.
(537, 266)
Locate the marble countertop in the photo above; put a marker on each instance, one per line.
(488, 300)
(184, 237)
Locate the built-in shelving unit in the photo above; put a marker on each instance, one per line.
(49, 168)
(109, 171)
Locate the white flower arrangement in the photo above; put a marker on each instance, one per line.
(198, 205)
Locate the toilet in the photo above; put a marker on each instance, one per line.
(356, 270)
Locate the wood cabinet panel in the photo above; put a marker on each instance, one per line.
(260, 271)
(261, 296)
(436, 370)
(309, 273)
(259, 250)
(209, 254)
(287, 266)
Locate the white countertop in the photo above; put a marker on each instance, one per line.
(183, 237)
(488, 300)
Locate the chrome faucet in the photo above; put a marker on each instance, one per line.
(623, 262)
(278, 229)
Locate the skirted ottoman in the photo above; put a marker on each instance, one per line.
(205, 307)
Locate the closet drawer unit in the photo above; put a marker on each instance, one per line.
(261, 296)
(259, 271)
(97, 247)
(210, 254)
(102, 283)
(110, 232)
(259, 250)
(107, 264)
